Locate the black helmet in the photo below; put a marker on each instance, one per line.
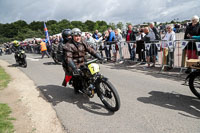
(66, 33)
(76, 31)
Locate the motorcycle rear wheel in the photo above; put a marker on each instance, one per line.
(106, 92)
(194, 84)
(24, 63)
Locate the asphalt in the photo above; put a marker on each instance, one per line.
(150, 102)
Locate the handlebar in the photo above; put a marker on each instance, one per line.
(91, 61)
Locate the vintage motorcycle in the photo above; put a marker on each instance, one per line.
(20, 58)
(93, 82)
(57, 54)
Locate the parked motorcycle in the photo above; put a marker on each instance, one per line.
(20, 58)
(92, 82)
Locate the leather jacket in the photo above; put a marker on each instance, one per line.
(75, 52)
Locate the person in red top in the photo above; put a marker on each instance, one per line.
(130, 36)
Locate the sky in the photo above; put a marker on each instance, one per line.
(132, 11)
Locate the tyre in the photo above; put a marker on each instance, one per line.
(54, 58)
(194, 84)
(108, 95)
(24, 63)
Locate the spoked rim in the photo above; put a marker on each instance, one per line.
(196, 84)
(107, 95)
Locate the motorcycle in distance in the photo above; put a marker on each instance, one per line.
(1, 51)
(92, 82)
(20, 58)
(194, 80)
(57, 54)
(7, 51)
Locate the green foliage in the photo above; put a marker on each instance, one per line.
(20, 30)
(6, 125)
(120, 25)
(4, 78)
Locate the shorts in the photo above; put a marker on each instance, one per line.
(153, 51)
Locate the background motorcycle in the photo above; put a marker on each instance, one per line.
(91, 81)
(57, 54)
(20, 58)
(1, 51)
(8, 51)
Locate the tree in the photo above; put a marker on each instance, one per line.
(90, 25)
(120, 25)
(112, 25)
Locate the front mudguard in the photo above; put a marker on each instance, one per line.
(99, 79)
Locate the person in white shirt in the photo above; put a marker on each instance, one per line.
(168, 51)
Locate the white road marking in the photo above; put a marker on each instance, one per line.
(32, 59)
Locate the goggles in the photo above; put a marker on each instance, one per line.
(77, 34)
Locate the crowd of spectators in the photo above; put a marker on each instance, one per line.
(112, 40)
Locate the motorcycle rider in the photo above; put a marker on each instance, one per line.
(66, 35)
(74, 57)
(16, 48)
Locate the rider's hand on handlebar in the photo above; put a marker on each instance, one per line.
(76, 72)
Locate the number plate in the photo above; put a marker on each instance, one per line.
(94, 68)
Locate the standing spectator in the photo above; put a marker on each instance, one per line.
(140, 49)
(43, 48)
(90, 41)
(152, 51)
(130, 36)
(193, 29)
(155, 30)
(95, 35)
(109, 42)
(168, 56)
(119, 42)
(99, 43)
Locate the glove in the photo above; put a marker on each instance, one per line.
(76, 72)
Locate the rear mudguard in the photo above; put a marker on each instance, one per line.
(196, 72)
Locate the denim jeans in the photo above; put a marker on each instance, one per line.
(108, 53)
(131, 52)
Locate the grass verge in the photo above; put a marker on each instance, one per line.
(6, 125)
(4, 78)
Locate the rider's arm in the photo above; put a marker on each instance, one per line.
(92, 51)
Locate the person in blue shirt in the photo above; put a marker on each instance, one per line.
(110, 40)
(95, 35)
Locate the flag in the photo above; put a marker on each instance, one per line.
(184, 44)
(46, 33)
(158, 46)
(198, 46)
(147, 45)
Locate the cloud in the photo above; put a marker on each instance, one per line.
(134, 11)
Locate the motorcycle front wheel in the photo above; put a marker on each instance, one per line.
(108, 95)
(194, 84)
